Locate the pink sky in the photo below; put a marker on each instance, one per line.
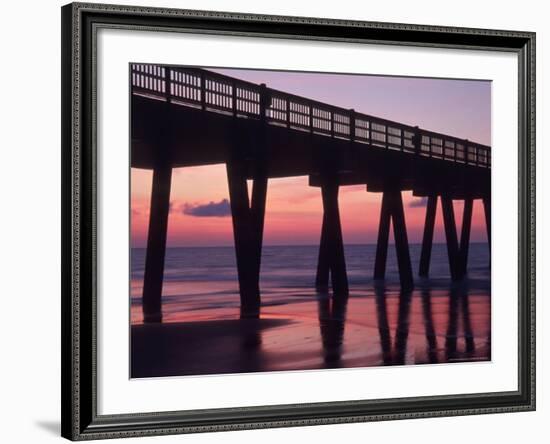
(294, 210)
(293, 214)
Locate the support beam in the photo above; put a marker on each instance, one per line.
(487, 208)
(257, 213)
(392, 209)
(248, 233)
(465, 235)
(451, 236)
(427, 239)
(401, 241)
(334, 242)
(383, 236)
(156, 243)
(323, 268)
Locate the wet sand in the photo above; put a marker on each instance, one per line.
(301, 331)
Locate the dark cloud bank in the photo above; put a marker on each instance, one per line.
(418, 202)
(211, 209)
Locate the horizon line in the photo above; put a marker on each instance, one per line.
(299, 245)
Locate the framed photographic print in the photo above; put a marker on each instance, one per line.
(280, 221)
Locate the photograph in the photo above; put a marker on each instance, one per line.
(279, 221)
(297, 221)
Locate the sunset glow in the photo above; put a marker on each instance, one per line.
(253, 286)
(200, 215)
(293, 214)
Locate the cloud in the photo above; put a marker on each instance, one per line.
(211, 209)
(419, 202)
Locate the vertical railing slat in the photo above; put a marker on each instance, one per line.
(167, 84)
(203, 91)
(352, 125)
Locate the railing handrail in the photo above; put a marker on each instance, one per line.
(336, 108)
(166, 82)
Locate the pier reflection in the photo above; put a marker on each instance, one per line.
(386, 326)
(456, 333)
(427, 315)
(459, 308)
(332, 318)
(393, 353)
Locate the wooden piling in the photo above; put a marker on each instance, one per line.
(451, 236)
(392, 209)
(401, 241)
(487, 210)
(427, 239)
(465, 235)
(156, 243)
(383, 236)
(323, 267)
(247, 235)
(257, 214)
(334, 241)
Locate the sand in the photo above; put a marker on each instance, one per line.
(315, 333)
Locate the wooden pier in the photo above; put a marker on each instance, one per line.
(188, 117)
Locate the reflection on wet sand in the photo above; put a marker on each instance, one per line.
(459, 305)
(320, 330)
(431, 337)
(332, 318)
(393, 353)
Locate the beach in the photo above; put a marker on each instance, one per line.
(302, 329)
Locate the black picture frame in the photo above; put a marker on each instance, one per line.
(79, 385)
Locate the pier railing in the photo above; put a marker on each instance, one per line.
(215, 92)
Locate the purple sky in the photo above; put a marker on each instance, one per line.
(294, 210)
(460, 108)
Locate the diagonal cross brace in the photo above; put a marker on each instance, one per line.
(392, 211)
(457, 249)
(331, 249)
(248, 222)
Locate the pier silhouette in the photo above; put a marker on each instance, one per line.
(184, 117)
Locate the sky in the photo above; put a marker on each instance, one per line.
(199, 200)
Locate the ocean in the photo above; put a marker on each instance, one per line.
(301, 329)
